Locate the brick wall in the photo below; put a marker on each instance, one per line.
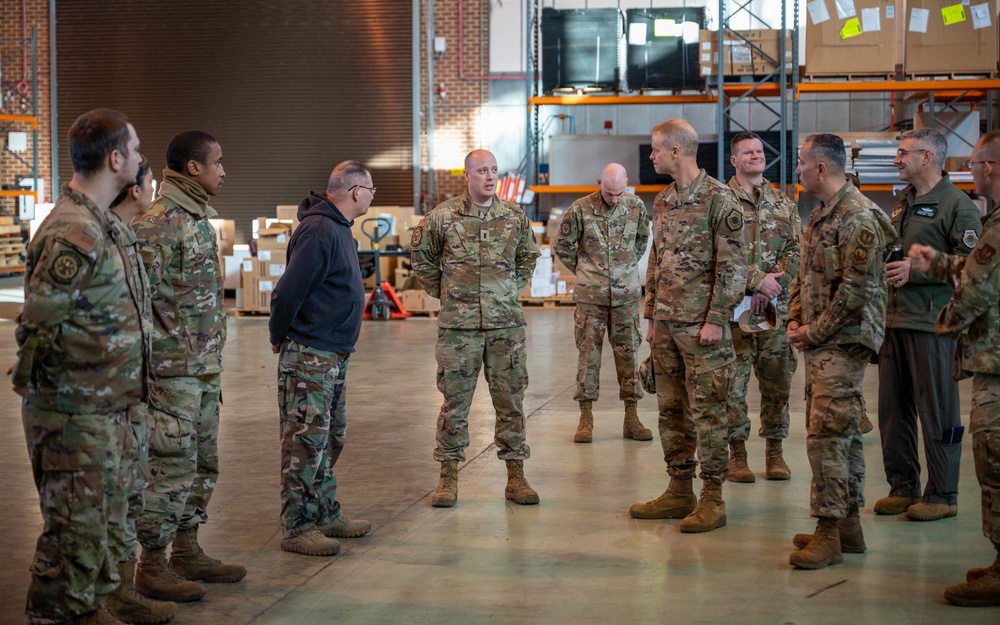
(457, 116)
(12, 22)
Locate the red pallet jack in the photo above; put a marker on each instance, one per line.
(383, 303)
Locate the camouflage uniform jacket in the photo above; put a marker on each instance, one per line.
(973, 314)
(945, 219)
(476, 264)
(697, 267)
(138, 284)
(178, 247)
(841, 289)
(771, 233)
(79, 334)
(602, 246)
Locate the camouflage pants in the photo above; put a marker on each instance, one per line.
(834, 405)
(984, 425)
(77, 462)
(770, 355)
(183, 456)
(137, 464)
(621, 324)
(692, 384)
(312, 393)
(502, 356)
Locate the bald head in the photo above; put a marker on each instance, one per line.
(613, 181)
(481, 173)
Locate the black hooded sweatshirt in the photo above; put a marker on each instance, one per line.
(320, 299)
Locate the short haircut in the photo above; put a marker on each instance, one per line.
(991, 143)
(829, 149)
(191, 145)
(143, 170)
(934, 141)
(346, 175)
(94, 136)
(680, 133)
(746, 135)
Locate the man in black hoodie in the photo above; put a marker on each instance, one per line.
(316, 311)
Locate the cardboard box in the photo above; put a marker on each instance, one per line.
(747, 52)
(417, 300)
(225, 235)
(967, 43)
(401, 220)
(839, 46)
(274, 237)
(256, 293)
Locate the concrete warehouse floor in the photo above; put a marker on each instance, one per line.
(576, 558)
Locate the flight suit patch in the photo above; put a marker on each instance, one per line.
(985, 254)
(970, 238)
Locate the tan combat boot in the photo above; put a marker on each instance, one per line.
(739, 471)
(344, 527)
(852, 539)
(676, 502)
(979, 593)
(517, 489)
(710, 513)
(865, 425)
(585, 429)
(633, 428)
(189, 561)
(823, 550)
(128, 606)
(156, 580)
(774, 462)
(311, 542)
(446, 494)
(976, 572)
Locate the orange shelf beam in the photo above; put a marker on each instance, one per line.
(598, 100)
(27, 119)
(17, 193)
(877, 86)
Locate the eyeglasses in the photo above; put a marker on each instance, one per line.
(970, 163)
(361, 186)
(904, 153)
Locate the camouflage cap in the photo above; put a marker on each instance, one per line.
(646, 377)
(751, 321)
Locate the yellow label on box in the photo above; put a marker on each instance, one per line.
(664, 28)
(457, 171)
(851, 28)
(953, 14)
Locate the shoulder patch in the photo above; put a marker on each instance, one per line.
(417, 237)
(895, 213)
(866, 238)
(65, 267)
(860, 255)
(80, 239)
(564, 228)
(734, 220)
(970, 238)
(985, 254)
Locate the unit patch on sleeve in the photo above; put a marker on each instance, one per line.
(564, 228)
(970, 238)
(895, 213)
(985, 254)
(734, 220)
(866, 238)
(417, 237)
(64, 269)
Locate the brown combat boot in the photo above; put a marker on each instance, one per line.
(893, 504)
(128, 606)
(979, 593)
(823, 550)
(585, 430)
(710, 513)
(517, 489)
(739, 471)
(311, 542)
(676, 502)
(189, 561)
(156, 580)
(976, 572)
(101, 616)
(633, 428)
(865, 425)
(852, 539)
(344, 527)
(774, 462)
(446, 494)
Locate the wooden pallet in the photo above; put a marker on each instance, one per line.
(547, 302)
(432, 314)
(862, 77)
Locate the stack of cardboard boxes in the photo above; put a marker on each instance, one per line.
(259, 274)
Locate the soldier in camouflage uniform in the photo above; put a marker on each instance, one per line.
(837, 318)
(973, 316)
(476, 253)
(179, 250)
(80, 372)
(316, 311)
(125, 603)
(771, 235)
(696, 276)
(601, 239)
(914, 366)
